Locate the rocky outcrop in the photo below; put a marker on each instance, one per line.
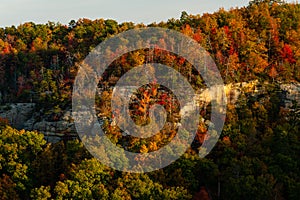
(292, 93)
(26, 116)
(17, 114)
(53, 130)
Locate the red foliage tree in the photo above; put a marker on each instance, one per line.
(287, 54)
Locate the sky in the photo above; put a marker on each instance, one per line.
(15, 12)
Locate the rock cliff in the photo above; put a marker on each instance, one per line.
(26, 116)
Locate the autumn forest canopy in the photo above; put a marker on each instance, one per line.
(259, 41)
(256, 157)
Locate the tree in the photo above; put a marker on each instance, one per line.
(42, 193)
(269, 2)
(18, 149)
(88, 180)
(273, 73)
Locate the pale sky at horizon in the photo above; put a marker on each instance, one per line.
(15, 12)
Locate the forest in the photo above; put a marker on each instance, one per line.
(255, 157)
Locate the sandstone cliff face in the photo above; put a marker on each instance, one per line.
(53, 130)
(292, 93)
(26, 116)
(17, 114)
